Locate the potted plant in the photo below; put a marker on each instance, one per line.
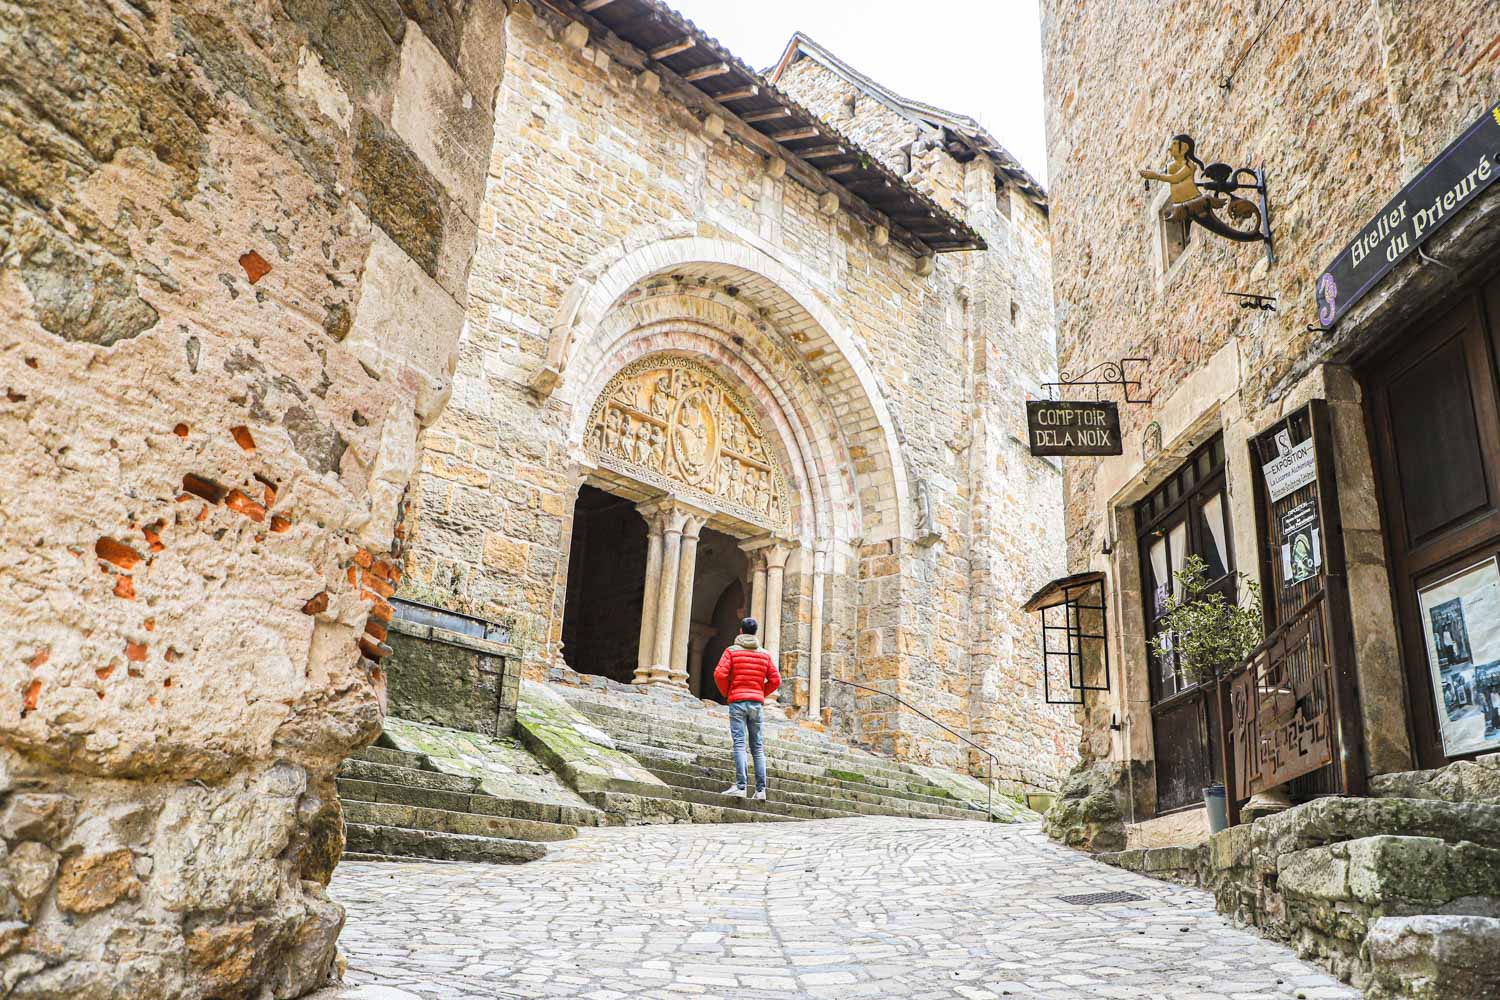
(1206, 634)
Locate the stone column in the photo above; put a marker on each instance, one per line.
(770, 626)
(698, 638)
(674, 520)
(651, 593)
(682, 617)
(815, 649)
(758, 585)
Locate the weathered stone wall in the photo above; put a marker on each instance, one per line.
(232, 276)
(1341, 101)
(619, 222)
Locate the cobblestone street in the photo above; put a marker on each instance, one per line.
(840, 908)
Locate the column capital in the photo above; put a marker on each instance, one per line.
(777, 553)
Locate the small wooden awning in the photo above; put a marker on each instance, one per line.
(684, 56)
(1059, 590)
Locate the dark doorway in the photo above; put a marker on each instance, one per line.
(606, 579)
(719, 602)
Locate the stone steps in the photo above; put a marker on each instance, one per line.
(397, 804)
(1326, 874)
(810, 774)
(643, 728)
(721, 761)
(366, 782)
(832, 798)
(381, 842)
(629, 809)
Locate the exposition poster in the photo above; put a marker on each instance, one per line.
(1301, 551)
(1461, 619)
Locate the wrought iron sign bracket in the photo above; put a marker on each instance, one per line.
(1199, 191)
(1108, 373)
(1250, 300)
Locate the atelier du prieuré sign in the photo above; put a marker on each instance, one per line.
(1072, 429)
(1468, 166)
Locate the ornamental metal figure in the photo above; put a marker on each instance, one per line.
(1244, 221)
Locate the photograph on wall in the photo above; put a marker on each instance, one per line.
(1301, 553)
(1461, 619)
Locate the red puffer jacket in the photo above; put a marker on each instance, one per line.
(746, 672)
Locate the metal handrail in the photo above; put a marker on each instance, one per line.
(989, 777)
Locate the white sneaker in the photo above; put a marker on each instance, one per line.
(738, 791)
(759, 796)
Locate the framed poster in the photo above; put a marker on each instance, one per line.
(1461, 620)
(1301, 551)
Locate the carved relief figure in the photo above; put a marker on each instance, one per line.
(693, 432)
(612, 430)
(661, 396)
(658, 450)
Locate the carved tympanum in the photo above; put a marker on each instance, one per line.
(675, 423)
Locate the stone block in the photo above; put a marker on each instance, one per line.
(89, 883)
(440, 121)
(1431, 957)
(401, 195)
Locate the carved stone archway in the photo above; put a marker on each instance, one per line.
(672, 433)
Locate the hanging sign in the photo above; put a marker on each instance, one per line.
(1293, 469)
(1446, 185)
(1301, 553)
(1062, 427)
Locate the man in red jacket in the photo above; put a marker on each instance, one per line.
(746, 676)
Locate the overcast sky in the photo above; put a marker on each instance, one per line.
(980, 58)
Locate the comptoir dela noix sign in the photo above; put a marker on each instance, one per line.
(1468, 166)
(1072, 429)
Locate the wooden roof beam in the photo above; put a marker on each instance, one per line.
(704, 72)
(589, 6)
(818, 152)
(793, 134)
(738, 94)
(765, 116)
(672, 48)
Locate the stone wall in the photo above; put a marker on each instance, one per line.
(233, 259)
(1340, 101)
(621, 220)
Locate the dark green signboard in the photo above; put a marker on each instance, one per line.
(1468, 166)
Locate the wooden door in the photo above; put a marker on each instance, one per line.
(1434, 412)
(1186, 515)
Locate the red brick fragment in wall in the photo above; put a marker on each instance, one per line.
(376, 629)
(241, 504)
(181, 430)
(380, 586)
(362, 558)
(150, 624)
(153, 536)
(33, 691)
(135, 651)
(255, 266)
(316, 604)
(116, 553)
(39, 657)
(242, 437)
(103, 672)
(374, 649)
(279, 523)
(125, 587)
(203, 488)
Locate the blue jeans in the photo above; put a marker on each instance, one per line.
(744, 718)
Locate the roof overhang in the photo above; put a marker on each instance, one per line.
(965, 137)
(696, 65)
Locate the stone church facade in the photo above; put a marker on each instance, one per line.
(710, 369)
